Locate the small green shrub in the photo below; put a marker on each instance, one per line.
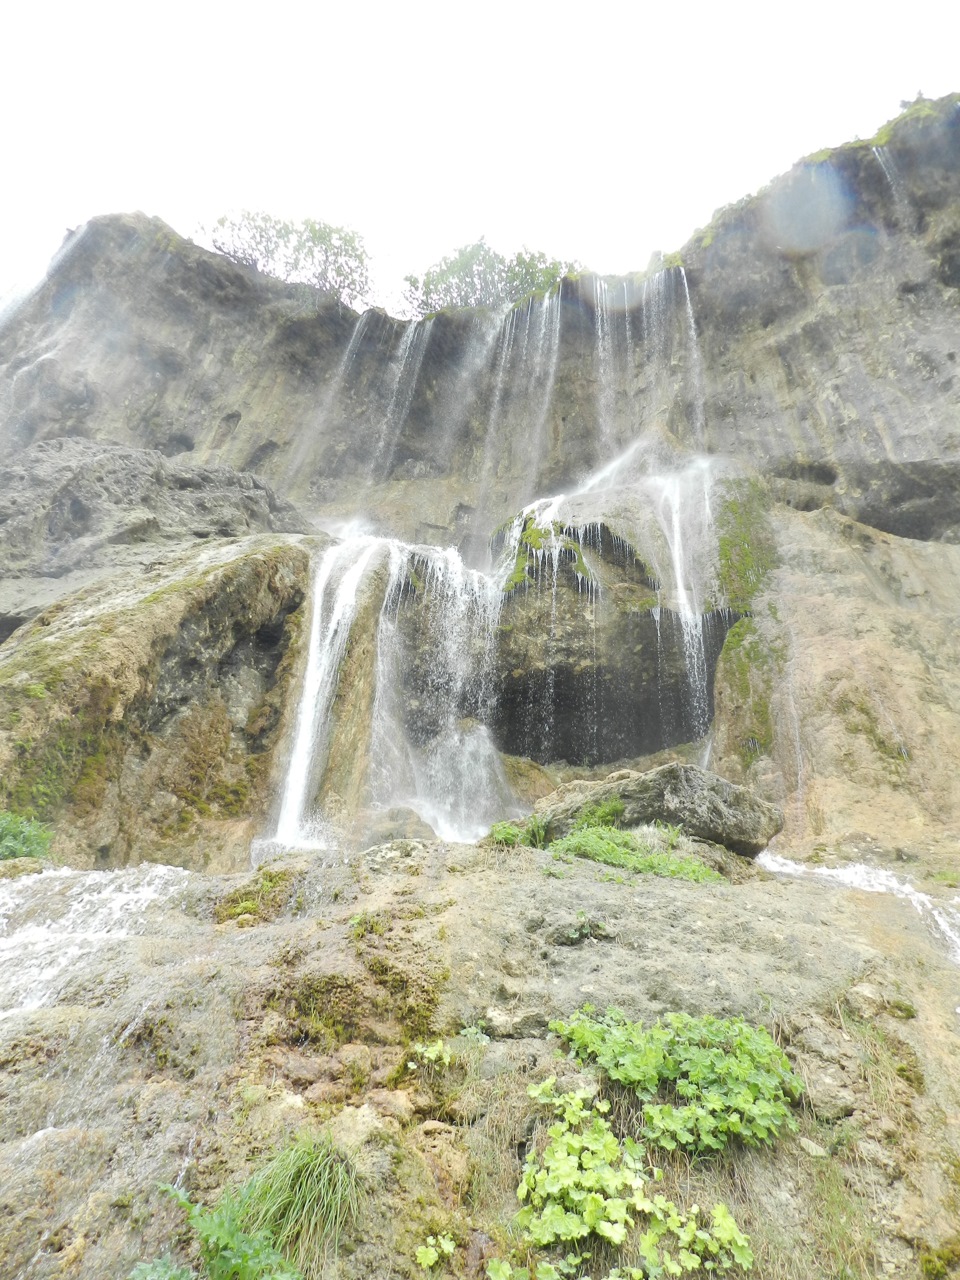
(606, 814)
(227, 1251)
(535, 832)
(702, 1082)
(306, 1199)
(437, 1247)
(161, 1269)
(263, 898)
(506, 833)
(23, 837)
(617, 848)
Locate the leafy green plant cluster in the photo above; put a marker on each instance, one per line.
(332, 259)
(436, 1247)
(533, 833)
(227, 1251)
(588, 1188)
(608, 813)
(161, 1269)
(702, 1082)
(263, 897)
(23, 837)
(506, 833)
(616, 848)
(431, 1057)
(478, 276)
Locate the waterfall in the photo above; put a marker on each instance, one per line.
(329, 400)
(405, 371)
(683, 510)
(335, 600)
(898, 188)
(438, 757)
(605, 363)
(695, 363)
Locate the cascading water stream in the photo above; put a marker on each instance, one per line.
(683, 510)
(444, 766)
(945, 920)
(406, 370)
(898, 188)
(695, 364)
(329, 399)
(335, 598)
(52, 922)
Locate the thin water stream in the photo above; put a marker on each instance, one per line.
(942, 918)
(51, 922)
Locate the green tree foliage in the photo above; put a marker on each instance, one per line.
(478, 276)
(328, 258)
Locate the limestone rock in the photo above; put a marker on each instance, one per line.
(706, 806)
(147, 709)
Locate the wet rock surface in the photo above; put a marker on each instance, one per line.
(757, 566)
(141, 713)
(172, 1046)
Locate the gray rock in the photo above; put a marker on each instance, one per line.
(68, 504)
(705, 805)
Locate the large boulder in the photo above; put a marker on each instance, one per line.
(705, 805)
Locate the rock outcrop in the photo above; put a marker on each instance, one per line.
(141, 716)
(707, 807)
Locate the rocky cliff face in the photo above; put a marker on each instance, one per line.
(707, 515)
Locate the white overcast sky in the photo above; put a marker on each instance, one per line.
(595, 131)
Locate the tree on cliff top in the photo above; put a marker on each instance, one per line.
(328, 258)
(478, 276)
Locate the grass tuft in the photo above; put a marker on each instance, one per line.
(625, 849)
(307, 1197)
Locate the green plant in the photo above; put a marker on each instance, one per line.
(617, 848)
(430, 1059)
(227, 1251)
(305, 1199)
(535, 832)
(702, 1082)
(23, 837)
(606, 814)
(161, 1269)
(475, 1032)
(331, 259)
(670, 834)
(366, 922)
(506, 833)
(478, 276)
(264, 897)
(429, 1254)
(586, 1187)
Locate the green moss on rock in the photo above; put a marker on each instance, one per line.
(746, 550)
(746, 666)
